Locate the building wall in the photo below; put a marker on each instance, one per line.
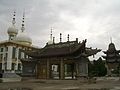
(10, 56)
(3, 56)
(113, 65)
(29, 69)
(77, 68)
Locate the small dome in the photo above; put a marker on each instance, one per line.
(50, 42)
(111, 47)
(23, 38)
(12, 30)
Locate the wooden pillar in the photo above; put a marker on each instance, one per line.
(77, 70)
(48, 69)
(73, 70)
(61, 69)
(36, 70)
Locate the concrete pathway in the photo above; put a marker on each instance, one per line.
(61, 85)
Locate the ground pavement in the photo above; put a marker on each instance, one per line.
(61, 85)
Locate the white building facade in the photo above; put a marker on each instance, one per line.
(10, 50)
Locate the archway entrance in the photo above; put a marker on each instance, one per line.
(42, 73)
(55, 71)
(69, 71)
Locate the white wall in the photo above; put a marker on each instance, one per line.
(17, 54)
(9, 58)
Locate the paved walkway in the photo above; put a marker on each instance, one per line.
(61, 85)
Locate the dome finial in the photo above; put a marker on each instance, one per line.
(111, 39)
(13, 21)
(23, 24)
(12, 31)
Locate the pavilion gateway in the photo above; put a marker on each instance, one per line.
(63, 60)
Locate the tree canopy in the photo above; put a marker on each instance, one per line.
(97, 68)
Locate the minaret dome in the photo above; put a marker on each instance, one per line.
(12, 31)
(22, 37)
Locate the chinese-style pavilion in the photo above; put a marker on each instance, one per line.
(63, 60)
(112, 58)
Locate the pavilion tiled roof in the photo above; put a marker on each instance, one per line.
(71, 48)
(112, 55)
(59, 49)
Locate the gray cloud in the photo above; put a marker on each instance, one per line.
(95, 20)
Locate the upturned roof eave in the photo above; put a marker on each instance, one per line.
(39, 55)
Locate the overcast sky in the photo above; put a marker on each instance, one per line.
(94, 20)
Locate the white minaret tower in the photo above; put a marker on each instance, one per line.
(23, 37)
(12, 31)
(50, 41)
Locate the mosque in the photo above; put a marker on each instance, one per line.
(54, 61)
(10, 53)
(61, 60)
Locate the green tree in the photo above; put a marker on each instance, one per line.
(97, 68)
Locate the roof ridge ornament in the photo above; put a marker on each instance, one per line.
(53, 40)
(60, 37)
(51, 33)
(68, 37)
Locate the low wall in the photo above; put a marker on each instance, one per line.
(10, 79)
(107, 78)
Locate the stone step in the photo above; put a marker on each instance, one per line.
(10, 75)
